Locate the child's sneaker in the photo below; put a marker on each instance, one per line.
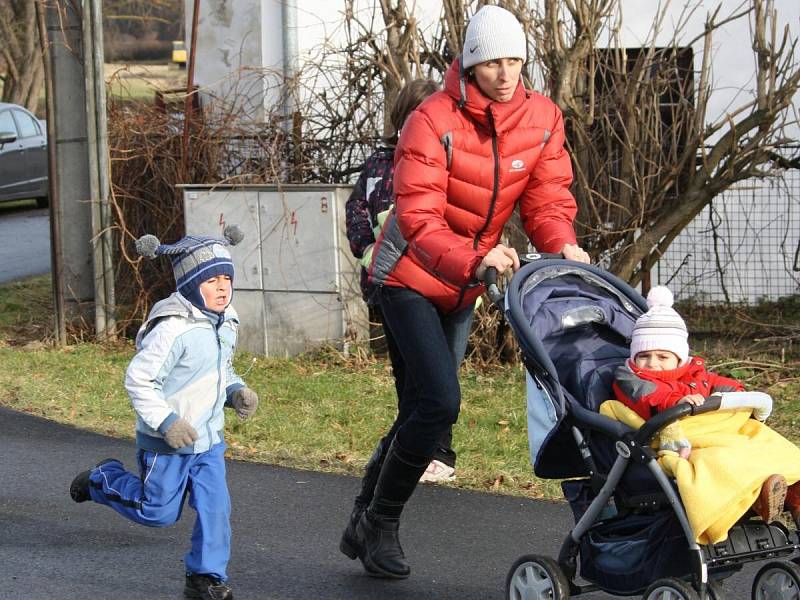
(769, 503)
(206, 587)
(438, 471)
(79, 488)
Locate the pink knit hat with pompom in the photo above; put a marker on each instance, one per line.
(660, 328)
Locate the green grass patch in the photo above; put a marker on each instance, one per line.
(26, 308)
(15, 205)
(322, 412)
(139, 82)
(315, 413)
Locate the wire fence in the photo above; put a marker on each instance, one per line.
(743, 248)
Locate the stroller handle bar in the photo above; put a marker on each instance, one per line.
(490, 278)
(494, 293)
(759, 402)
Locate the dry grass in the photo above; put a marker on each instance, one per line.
(140, 81)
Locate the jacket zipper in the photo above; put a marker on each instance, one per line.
(219, 384)
(496, 181)
(495, 187)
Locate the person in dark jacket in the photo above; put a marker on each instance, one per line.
(465, 159)
(367, 206)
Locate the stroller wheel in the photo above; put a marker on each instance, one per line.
(670, 588)
(777, 580)
(714, 591)
(536, 577)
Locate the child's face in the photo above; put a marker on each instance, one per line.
(216, 292)
(656, 360)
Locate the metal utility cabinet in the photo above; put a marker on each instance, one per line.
(296, 284)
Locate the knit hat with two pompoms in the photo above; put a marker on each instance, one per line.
(195, 259)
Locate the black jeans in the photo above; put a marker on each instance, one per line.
(444, 452)
(430, 347)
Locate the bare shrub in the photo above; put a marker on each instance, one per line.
(646, 158)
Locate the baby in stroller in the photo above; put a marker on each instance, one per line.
(632, 535)
(660, 374)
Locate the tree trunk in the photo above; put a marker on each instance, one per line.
(21, 52)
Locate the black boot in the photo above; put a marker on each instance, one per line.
(373, 468)
(376, 535)
(206, 587)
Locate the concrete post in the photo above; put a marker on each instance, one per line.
(69, 96)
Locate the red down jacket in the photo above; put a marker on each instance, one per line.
(649, 392)
(462, 163)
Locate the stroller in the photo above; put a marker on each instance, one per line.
(631, 536)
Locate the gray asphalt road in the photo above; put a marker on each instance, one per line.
(25, 248)
(286, 526)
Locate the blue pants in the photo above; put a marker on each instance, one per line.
(155, 498)
(431, 347)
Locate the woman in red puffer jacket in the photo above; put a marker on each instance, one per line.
(465, 158)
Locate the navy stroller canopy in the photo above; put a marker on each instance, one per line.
(573, 322)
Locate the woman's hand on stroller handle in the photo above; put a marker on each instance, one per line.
(501, 258)
(490, 274)
(576, 253)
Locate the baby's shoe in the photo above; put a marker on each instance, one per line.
(206, 587)
(769, 503)
(792, 503)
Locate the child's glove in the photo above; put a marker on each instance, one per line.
(244, 402)
(672, 439)
(180, 434)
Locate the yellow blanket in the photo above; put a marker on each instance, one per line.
(731, 457)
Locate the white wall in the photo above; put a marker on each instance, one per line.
(733, 60)
(232, 36)
(741, 249)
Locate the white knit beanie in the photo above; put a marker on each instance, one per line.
(660, 328)
(493, 32)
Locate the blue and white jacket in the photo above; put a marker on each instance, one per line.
(182, 368)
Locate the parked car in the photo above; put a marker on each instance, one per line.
(23, 155)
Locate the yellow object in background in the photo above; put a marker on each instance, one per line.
(179, 53)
